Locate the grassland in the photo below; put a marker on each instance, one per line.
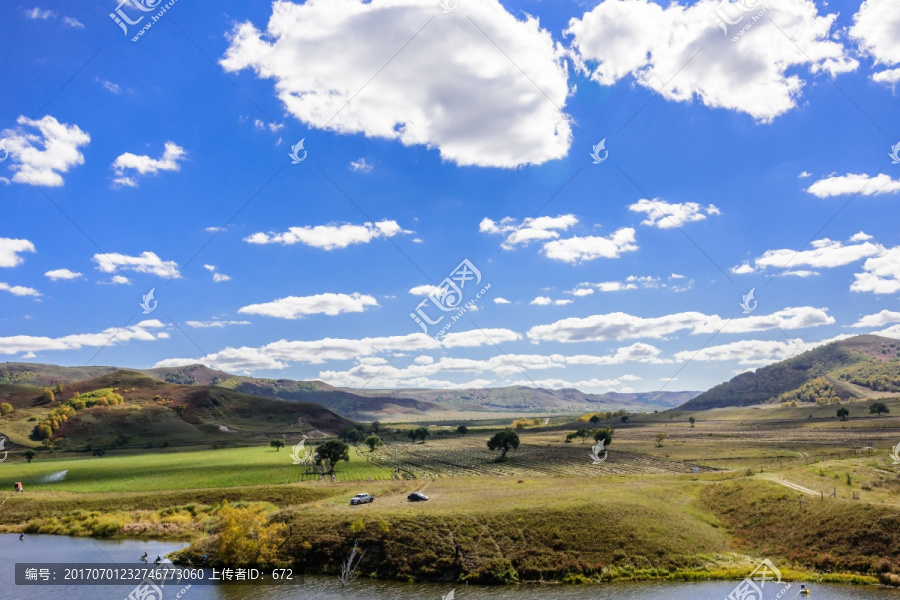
(546, 514)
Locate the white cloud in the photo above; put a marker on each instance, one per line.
(18, 290)
(424, 290)
(476, 109)
(541, 301)
(147, 262)
(39, 159)
(580, 249)
(39, 14)
(594, 386)
(885, 317)
(112, 336)
(540, 228)
(361, 166)
(214, 229)
(234, 360)
(759, 74)
(120, 280)
(499, 300)
(111, 87)
(10, 249)
(746, 352)
(144, 165)
(217, 277)
(824, 254)
(273, 127)
(804, 175)
(73, 22)
(664, 215)
(638, 352)
(851, 183)
(214, 324)
(330, 237)
(875, 26)
(620, 326)
(57, 274)
(881, 274)
(632, 282)
(297, 307)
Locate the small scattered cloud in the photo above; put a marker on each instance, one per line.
(73, 22)
(804, 175)
(214, 324)
(10, 249)
(65, 274)
(111, 87)
(144, 165)
(41, 158)
(532, 229)
(885, 317)
(499, 300)
(146, 262)
(297, 307)
(665, 215)
(361, 166)
(856, 184)
(217, 277)
(18, 290)
(40, 14)
(424, 290)
(330, 237)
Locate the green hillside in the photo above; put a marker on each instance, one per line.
(869, 362)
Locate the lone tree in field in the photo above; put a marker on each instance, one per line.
(594, 420)
(277, 444)
(373, 441)
(47, 395)
(5, 408)
(332, 451)
(29, 455)
(625, 419)
(878, 408)
(692, 420)
(462, 430)
(842, 413)
(246, 536)
(660, 437)
(603, 434)
(505, 440)
(583, 433)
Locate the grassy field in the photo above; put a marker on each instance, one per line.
(547, 513)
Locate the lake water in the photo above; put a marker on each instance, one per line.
(46, 548)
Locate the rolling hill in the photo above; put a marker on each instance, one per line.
(154, 412)
(864, 366)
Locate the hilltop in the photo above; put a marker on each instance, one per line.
(862, 367)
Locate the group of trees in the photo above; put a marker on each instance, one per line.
(419, 433)
(5, 408)
(523, 423)
(597, 434)
(874, 374)
(596, 417)
(819, 390)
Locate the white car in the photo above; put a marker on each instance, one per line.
(361, 499)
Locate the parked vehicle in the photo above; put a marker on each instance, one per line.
(417, 497)
(361, 499)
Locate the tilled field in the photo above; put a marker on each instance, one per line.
(469, 456)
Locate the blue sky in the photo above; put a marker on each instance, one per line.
(436, 134)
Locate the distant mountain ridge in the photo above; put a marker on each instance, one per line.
(367, 404)
(856, 367)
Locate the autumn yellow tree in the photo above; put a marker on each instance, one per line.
(245, 536)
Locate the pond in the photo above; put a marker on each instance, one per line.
(59, 549)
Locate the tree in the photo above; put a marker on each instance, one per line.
(505, 440)
(625, 419)
(44, 431)
(375, 426)
(5, 408)
(246, 537)
(462, 430)
(660, 437)
(842, 413)
(47, 395)
(29, 455)
(594, 420)
(99, 452)
(692, 420)
(603, 434)
(877, 408)
(354, 436)
(373, 441)
(332, 451)
(59, 388)
(419, 433)
(583, 433)
(277, 444)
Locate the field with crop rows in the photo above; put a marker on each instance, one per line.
(470, 456)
